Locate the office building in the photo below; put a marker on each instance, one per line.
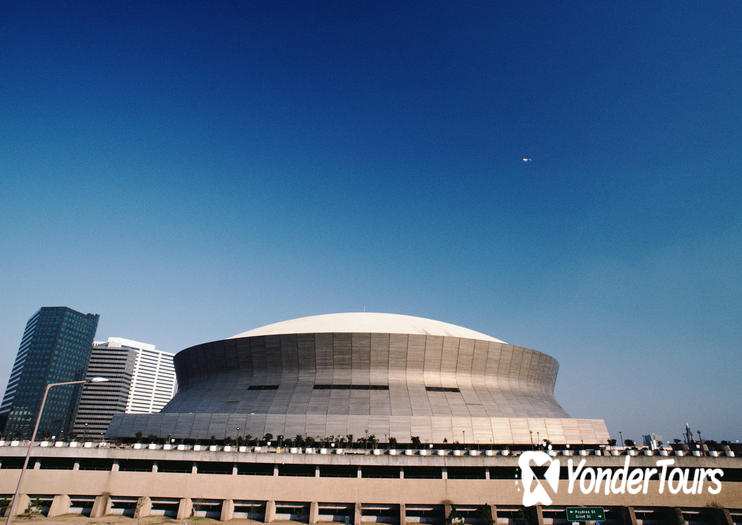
(55, 347)
(392, 376)
(153, 384)
(142, 380)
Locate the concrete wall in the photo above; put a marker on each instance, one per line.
(349, 490)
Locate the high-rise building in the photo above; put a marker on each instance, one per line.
(154, 383)
(142, 382)
(55, 347)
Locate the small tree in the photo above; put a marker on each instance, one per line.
(267, 437)
(415, 440)
(138, 435)
(629, 442)
(455, 518)
(35, 507)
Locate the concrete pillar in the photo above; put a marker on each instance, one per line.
(444, 473)
(486, 473)
(154, 466)
(724, 517)
(358, 474)
(144, 507)
(316, 471)
(194, 468)
(37, 465)
(115, 466)
(21, 506)
(76, 465)
(60, 505)
(313, 513)
(401, 472)
(275, 470)
(227, 510)
(629, 516)
(185, 508)
(234, 470)
(270, 511)
(402, 514)
(357, 514)
(493, 512)
(101, 506)
(536, 515)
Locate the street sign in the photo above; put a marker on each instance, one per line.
(585, 514)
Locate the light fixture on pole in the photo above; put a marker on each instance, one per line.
(33, 435)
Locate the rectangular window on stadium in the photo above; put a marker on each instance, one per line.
(351, 387)
(441, 389)
(263, 387)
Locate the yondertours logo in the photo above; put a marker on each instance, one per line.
(534, 491)
(611, 481)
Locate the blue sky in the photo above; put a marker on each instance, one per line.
(193, 170)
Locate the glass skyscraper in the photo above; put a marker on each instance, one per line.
(55, 347)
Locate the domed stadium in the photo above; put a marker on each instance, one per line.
(387, 375)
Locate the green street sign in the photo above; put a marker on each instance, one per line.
(585, 514)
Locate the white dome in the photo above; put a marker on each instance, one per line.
(366, 322)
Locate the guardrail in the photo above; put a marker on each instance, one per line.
(456, 452)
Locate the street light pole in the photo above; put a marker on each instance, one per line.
(33, 436)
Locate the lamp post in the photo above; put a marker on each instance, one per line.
(33, 435)
(620, 434)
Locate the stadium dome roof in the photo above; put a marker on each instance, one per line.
(366, 322)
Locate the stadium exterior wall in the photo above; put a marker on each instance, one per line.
(437, 388)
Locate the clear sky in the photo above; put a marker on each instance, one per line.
(193, 170)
